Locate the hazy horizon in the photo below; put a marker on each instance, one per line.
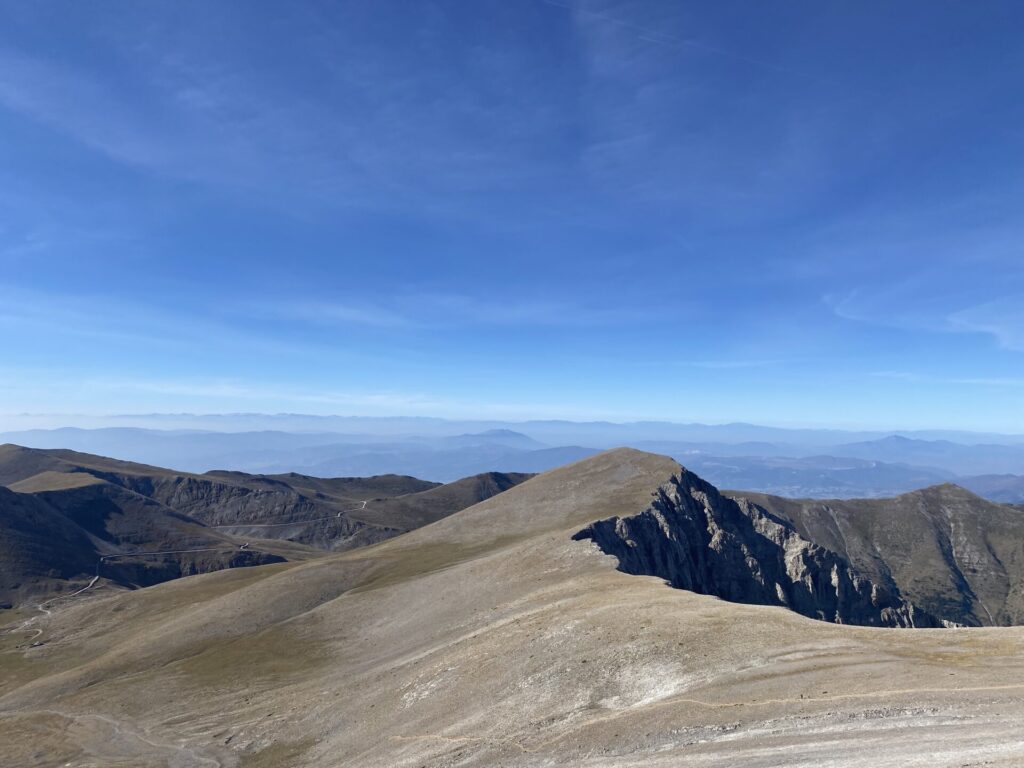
(801, 463)
(241, 421)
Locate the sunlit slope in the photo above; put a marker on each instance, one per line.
(493, 638)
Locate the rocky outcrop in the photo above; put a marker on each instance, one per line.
(949, 552)
(699, 540)
(217, 503)
(259, 507)
(144, 572)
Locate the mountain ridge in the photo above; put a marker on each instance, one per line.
(198, 521)
(699, 540)
(491, 637)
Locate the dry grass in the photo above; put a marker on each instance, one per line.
(493, 639)
(55, 481)
(279, 754)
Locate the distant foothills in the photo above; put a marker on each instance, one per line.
(810, 463)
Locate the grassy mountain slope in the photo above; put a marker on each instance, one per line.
(491, 638)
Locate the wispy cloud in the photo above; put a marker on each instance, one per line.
(61, 320)
(73, 102)
(96, 394)
(896, 375)
(280, 396)
(91, 397)
(902, 306)
(1002, 319)
(334, 314)
(649, 34)
(656, 132)
(374, 137)
(212, 132)
(447, 311)
(729, 364)
(990, 382)
(966, 381)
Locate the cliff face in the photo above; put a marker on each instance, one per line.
(219, 503)
(949, 552)
(699, 540)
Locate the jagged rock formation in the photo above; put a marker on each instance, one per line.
(949, 552)
(699, 540)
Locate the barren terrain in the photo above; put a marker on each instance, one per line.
(492, 638)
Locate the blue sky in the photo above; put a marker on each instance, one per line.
(790, 213)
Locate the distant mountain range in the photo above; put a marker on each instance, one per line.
(599, 434)
(796, 463)
(441, 458)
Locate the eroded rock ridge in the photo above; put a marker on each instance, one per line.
(699, 540)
